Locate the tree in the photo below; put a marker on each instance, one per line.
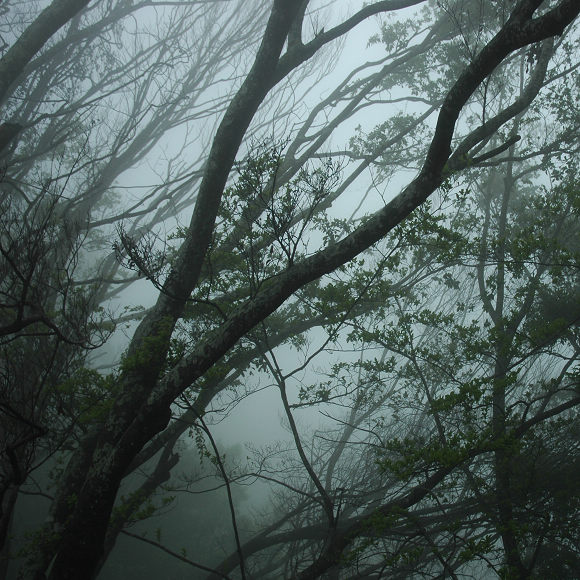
(48, 325)
(431, 401)
(427, 405)
(228, 277)
(58, 167)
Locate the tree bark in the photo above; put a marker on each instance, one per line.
(129, 428)
(49, 21)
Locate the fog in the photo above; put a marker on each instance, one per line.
(289, 289)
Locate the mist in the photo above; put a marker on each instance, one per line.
(289, 289)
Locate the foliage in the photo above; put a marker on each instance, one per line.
(414, 286)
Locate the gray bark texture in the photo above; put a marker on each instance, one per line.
(49, 21)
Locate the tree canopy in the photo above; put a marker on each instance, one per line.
(370, 210)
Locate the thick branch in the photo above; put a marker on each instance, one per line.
(49, 21)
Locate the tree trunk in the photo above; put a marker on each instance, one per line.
(49, 21)
(135, 419)
(9, 496)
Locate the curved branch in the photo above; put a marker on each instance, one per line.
(49, 21)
